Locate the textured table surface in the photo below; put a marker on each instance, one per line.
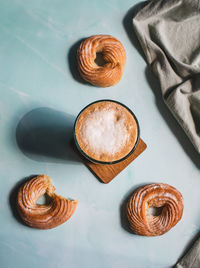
(41, 94)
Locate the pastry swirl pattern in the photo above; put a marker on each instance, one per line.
(58, 211)
(154, 195)
(113, 53)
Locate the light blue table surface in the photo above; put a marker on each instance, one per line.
(40, 95)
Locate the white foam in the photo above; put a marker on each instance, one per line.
(104, 131)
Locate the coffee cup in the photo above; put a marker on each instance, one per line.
(106, 132)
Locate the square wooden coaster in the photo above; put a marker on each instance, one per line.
(106, 173)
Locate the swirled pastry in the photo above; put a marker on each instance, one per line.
(58, 211)
(157, 195)
(113, 54)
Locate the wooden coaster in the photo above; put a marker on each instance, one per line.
(106, 173)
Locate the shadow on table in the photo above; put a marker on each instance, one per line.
(123, 217)
(13, 198)
(128, 26)
(46, 135)
(155, 86)
(174, 126)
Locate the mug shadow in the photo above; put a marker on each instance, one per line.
(128, 26)
(73, 64)
(13, 199)
(46, 135)
(123, 217)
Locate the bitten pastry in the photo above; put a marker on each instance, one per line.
(113, 54)
(58, 211)
(154, 195)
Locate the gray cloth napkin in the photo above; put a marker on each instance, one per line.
(169, 33)
(192, 258)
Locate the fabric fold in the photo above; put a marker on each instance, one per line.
(169, 33)
(192, 258)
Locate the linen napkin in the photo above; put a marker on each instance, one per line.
(192, 258)
(169, 33)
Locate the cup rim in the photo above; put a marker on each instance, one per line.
(99, 161)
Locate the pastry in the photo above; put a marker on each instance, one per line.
(161, 195)
(58, 211)
(113, 54)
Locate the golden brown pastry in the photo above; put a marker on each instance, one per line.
(48, 216)
(113, 54)
(154, 195)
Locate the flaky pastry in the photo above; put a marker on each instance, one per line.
(113, 54)
(56, 212)
(154, 195)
